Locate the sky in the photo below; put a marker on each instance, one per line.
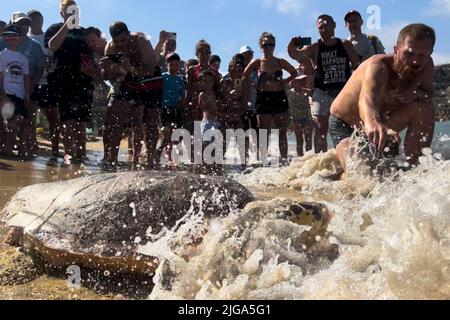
(229, 24)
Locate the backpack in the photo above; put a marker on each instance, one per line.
(374, 40)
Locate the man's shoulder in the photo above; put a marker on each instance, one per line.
(55, 26)
(33, 43)
(381, 63)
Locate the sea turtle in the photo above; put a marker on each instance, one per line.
(99, 221)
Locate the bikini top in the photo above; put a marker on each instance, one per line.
(264, 76)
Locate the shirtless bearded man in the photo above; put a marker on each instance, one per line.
(390, 93)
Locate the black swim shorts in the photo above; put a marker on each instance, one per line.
(339, 130)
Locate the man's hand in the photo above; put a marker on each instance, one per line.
(296, 42)
(376, 133)
(163, 36)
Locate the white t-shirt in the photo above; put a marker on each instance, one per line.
(364, 47)
(14, 67)
(40, 38)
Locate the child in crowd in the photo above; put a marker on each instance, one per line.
(231, 95)
(207, 102)
(172, 102)
(15, 93)
(300, 110)
(214, 62)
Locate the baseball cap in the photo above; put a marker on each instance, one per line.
(11, 30)
(352, 13)
(246, 49)
(18, 16)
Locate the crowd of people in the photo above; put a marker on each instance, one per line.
(147, 92)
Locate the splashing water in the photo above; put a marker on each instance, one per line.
(393, 237)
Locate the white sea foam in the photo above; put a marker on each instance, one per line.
(393, 237)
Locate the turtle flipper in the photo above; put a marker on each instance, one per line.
(14, 237)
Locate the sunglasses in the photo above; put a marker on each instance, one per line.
(268, 45)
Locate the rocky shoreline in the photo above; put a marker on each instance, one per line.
(442, 98)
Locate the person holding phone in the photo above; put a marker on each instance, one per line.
(71, 85)
(131, 64)
(166, 45)
(271, 102)
(333, 60)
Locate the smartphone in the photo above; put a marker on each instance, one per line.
(115, 58)
(305, 41)
(171, 35)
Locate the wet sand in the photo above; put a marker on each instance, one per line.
(15, 175)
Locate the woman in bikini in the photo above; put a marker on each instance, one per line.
(272, 102)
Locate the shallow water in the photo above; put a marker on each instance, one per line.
(393, 235)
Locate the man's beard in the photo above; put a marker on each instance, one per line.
(405, 72)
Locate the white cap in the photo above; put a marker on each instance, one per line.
(246, 49)
(17, 16)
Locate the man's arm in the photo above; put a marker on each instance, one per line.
(352, 54)
(374, 86)
(110, 71)
(58, 39)
(289, 68)
(160, 44)
(148, 55)
(300, 54)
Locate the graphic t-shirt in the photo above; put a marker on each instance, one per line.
(174, 90)
(14, 67)
(32, 51)
(333, 67)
